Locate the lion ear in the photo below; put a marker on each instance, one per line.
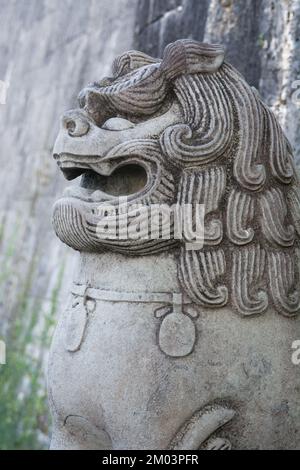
(130, 61)
(187, 57)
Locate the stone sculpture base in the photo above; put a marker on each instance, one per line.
(112, 386)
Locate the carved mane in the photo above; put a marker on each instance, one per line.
(236, 160)
(228, 153)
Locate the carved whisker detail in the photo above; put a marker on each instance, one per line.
(248, 171)
(273, 220)
(278, 156)
(200, 274)
(205, 187)
(240, 212)
(285, 294)
(215, 130)
(248, 265)
(70, 226)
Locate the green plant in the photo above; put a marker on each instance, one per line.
(261, 41)
(24, 416)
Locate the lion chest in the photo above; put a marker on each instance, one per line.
(118, 376)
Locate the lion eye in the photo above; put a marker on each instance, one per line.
(117, 124)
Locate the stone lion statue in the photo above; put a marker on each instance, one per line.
(162, 346)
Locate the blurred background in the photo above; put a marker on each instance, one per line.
(49, 49)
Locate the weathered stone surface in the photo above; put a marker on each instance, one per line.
(54, 48)
(183, 342)
(48, 50)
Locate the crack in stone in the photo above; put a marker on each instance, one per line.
(158, 18)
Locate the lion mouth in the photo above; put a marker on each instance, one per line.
(102, 181)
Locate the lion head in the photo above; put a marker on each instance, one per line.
(187, 129)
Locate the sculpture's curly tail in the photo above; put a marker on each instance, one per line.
(200, 426)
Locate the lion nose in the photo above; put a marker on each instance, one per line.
(76, 123)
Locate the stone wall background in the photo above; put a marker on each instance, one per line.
(48, 50)
(262, 39)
